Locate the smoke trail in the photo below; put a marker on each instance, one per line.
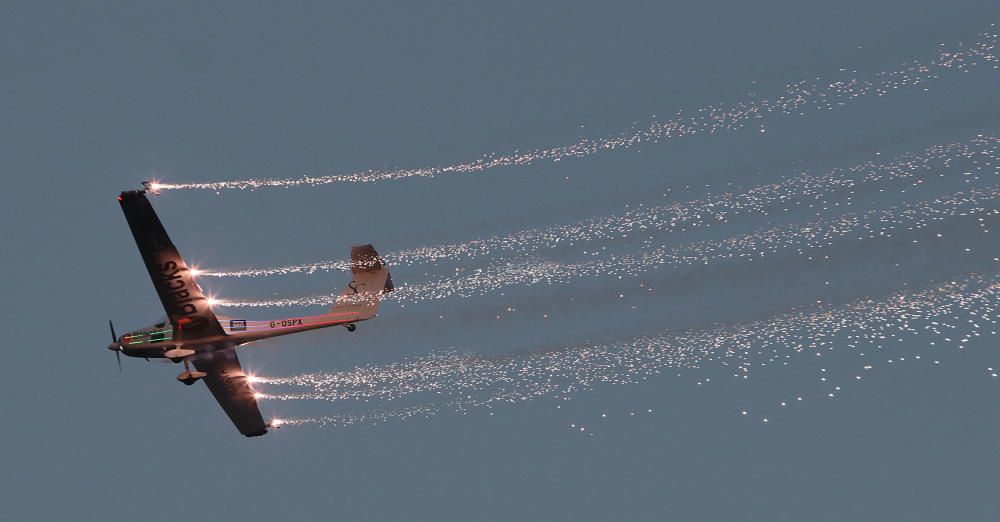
(955, 312)
(980, 153)
(795, 99)
(535, 270)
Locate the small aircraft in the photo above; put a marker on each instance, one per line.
(194, 335)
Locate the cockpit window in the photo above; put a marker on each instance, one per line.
(156, 334)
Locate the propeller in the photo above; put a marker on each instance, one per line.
(114, 339)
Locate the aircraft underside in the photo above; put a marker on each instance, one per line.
(194, 335)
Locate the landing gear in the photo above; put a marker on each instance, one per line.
(177, 355)
(188, 377)
(351, 327)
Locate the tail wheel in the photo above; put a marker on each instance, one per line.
(350, 327)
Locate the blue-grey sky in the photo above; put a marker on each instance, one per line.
(96, 97)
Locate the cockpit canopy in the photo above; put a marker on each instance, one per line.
(159, 332)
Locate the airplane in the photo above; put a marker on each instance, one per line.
(193, 334)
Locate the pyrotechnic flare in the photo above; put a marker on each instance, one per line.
(817, 94)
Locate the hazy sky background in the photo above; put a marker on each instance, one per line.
(96, 97)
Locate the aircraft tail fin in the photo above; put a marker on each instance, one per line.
(370, 281)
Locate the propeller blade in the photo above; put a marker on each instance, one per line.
(114, 339)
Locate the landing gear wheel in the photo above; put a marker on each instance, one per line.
(188, 377)
(350, 327)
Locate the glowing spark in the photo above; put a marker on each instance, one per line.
(462, 381)
(869, 225)
(833, 188)
(819, 94)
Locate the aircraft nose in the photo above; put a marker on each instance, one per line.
(114, 347)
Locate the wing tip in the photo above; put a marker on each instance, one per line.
(131, 194)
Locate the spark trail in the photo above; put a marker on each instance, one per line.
(956, 312)
(868, 225)
(837, 187)
(817, 93)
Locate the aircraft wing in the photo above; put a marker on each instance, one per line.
(229, 385)
(184, 301)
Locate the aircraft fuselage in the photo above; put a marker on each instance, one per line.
(154, 342)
